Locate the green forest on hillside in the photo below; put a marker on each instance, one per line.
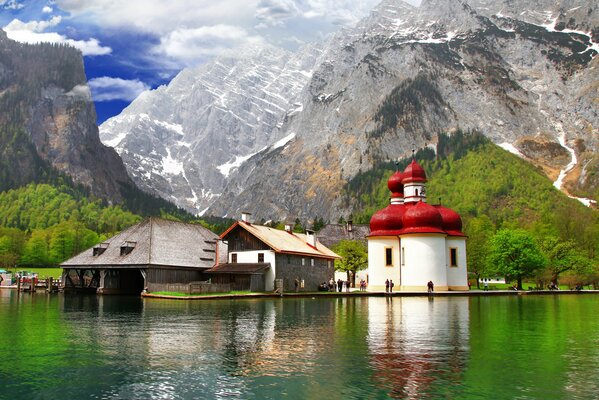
(493, 190)
(43, 225)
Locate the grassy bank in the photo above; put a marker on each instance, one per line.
(41, 272)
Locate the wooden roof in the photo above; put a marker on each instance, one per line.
(156, 242)
(284, 242)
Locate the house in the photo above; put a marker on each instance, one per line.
(257, 255)
(149, 255)
(412, 242)
(331, 234)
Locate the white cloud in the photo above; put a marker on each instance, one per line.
(32, 26)
(159, 16)
(275, 12)
(11, 5)
(47, 9)
(33, 32)
(194, 45)
(108, 88)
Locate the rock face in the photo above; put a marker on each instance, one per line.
(524, 74)
(182, 141)
(48, 121)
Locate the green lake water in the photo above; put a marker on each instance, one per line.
(499, 347)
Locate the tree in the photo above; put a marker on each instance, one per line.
(479, 231)
(515, 255)
(561, 256)
(355, 257)
(36, 249)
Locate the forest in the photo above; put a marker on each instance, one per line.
(43, 225)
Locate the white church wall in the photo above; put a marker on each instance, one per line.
(457, 276)
(378, 272)
(425, 260)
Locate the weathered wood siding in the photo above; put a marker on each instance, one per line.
(241, 240)
(251, 282)
(165, 275)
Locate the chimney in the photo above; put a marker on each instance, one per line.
(245, 216)
(310, 238)
(350, 225)
(288, 227)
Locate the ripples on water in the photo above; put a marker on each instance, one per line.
(410, 348)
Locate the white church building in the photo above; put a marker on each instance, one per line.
(412, 242)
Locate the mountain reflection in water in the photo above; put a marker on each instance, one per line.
(306, 348)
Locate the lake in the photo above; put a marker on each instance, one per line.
(499, 347)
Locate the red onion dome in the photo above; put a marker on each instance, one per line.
(452, 222)
(422, 218)
(388, 221)
(394, 184)
(414, 173)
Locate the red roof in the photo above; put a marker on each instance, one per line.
(452, 222)
(422, 218)
(394, 184)
(414, 173)
(388, 221)
(403, 219)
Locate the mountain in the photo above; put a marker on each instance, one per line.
(407, 73)
(182, 141)
(48, 121)
(522, 73)
(48, 131)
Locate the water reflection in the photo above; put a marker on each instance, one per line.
(341, 348)
(418, 345)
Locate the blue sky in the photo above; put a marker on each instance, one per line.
(134, 45)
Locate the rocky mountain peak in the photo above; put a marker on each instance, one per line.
(286, 132)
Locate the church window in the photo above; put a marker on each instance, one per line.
(234, 257)
(312, 262)
(303, 261)
(416, 192)
(403, 256)
(260, 257)
(388, 256)
(453, 255)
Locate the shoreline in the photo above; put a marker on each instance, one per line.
(372, 294)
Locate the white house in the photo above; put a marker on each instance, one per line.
(412, 242)
(257, 255)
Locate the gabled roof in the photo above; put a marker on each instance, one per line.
(157, 242)
(283, 241)
(331, 234)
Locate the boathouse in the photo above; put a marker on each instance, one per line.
(150, 255)
(257, 255)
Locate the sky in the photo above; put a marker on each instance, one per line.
(134, 45)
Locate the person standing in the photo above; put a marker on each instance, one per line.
(296, 285)
(430, 285)
(339, 285)
(387, 286)
(391, 284)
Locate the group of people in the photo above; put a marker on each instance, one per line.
(389, 285)
(339, 285)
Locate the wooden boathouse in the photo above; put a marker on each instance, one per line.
(150, 255)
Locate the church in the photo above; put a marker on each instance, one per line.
(412, 242)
